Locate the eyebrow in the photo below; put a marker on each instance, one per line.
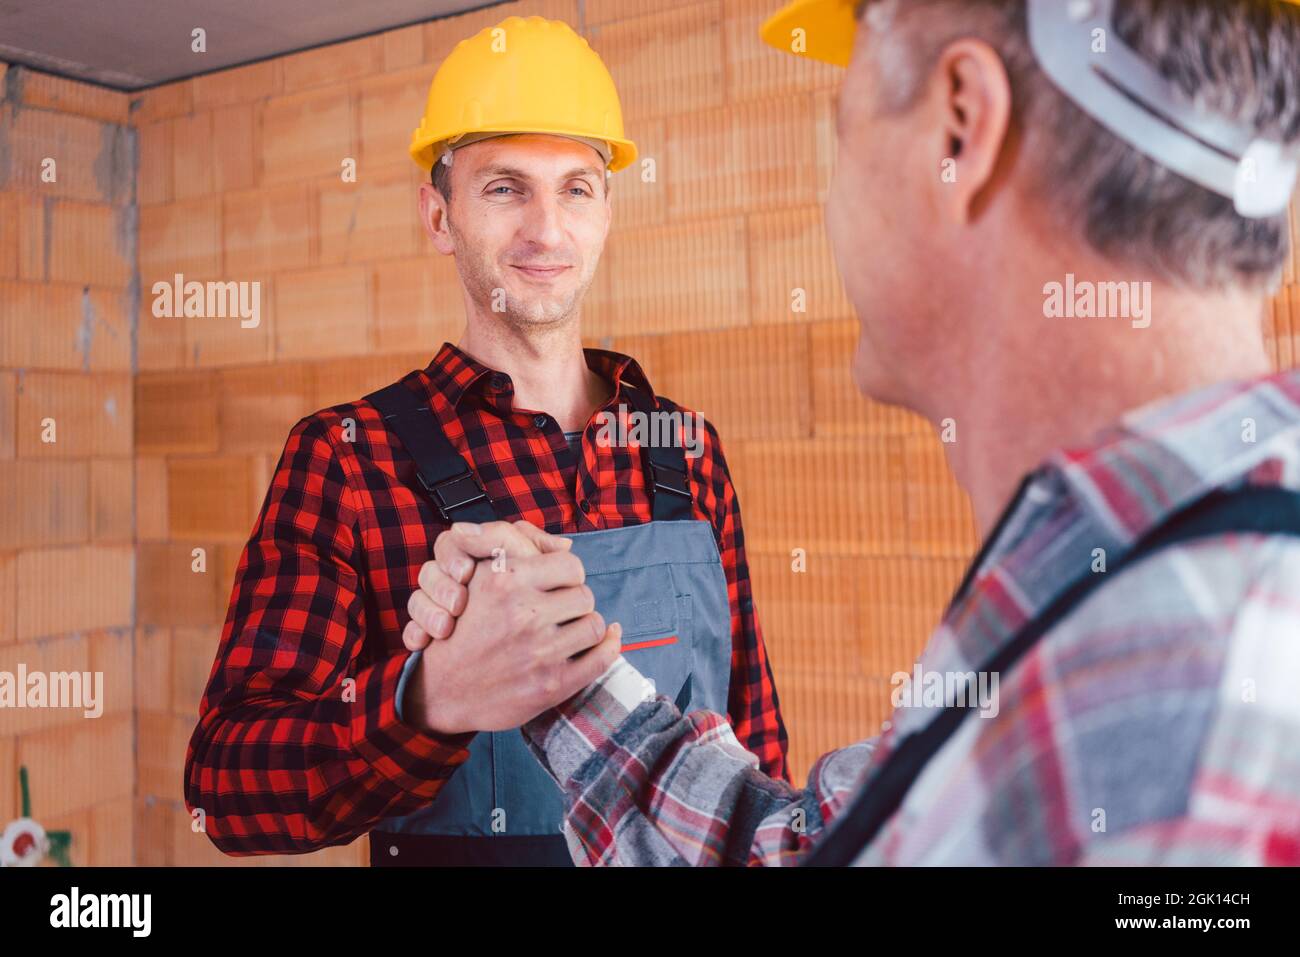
(516, 173)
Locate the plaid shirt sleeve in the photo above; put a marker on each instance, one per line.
(752, 701)
(647, 785)
(298, 744)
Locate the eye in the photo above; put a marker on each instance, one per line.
(501, 190)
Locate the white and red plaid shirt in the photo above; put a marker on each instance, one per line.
(1157, 723)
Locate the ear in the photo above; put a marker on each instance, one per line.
(433, 215)
(971, 94)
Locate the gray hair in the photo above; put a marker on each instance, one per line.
(1239, 58)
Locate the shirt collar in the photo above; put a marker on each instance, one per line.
(455, 374)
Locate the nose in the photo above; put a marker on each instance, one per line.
(543, 223)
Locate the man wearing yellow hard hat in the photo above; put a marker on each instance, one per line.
(1059, 223)
(317, 725)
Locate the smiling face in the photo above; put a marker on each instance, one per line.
(527, 221)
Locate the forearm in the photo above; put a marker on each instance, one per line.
(283, 774)
(646, 785)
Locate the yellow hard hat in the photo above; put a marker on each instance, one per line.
(827, 29)
(524, 75)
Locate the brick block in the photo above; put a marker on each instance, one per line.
(210, 498)
(666, 62)
(150, 498)
(91, 414)
(267, 230)
(373, 218)
(10, 800)
(750, 383)
(90, 244)
(168, 589)
(34, 236)
(322, 312)
(162, 102)
(112, 833)
(8, 414)
(8, 597)
(333, 63)
(153, 183)
(153, 669)
(345, 380)
(749, 155)
(811, 618)
(192, 155)
(74, 589)
(389, 108)
(69, 96)
(193, 654)
(175, 412)
(61, 155)
(842, 496)
(235, 149)
(307, 134)
(67, 654)
(838, 407)
(792, 275)
(640, 193)
(8, 235)
(216, 340)
(756, 70)
(49, 506)
(160, 340)
(403, 48)
(63, 326)
(680, 277)
(417, 303)
(112, 654)
(182, 237)
(111, 500)
(259, 405)
(239, 85)
(163, 740)
(153, 830)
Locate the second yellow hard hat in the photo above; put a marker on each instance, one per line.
(524, 75)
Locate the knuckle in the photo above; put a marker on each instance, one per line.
(597, 622)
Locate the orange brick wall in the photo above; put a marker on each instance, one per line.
(67, 257)
(239, 180)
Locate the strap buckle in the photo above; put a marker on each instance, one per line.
(455, 492)
(669, 479)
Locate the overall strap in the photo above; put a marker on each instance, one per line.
(1259, 509)
(667, 477)
(450, 482)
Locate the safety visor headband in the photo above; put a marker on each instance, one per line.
(1076, 45)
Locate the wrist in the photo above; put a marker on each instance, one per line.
(425, 705)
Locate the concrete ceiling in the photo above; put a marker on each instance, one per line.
(133, 44)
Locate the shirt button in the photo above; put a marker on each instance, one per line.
(498, 381)
(586, 506)
(540, 421)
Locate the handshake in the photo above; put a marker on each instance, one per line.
(527, 635)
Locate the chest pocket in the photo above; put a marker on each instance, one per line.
(658, 637)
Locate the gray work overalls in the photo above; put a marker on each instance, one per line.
(663, 581)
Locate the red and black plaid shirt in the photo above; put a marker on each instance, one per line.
(298, 744)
